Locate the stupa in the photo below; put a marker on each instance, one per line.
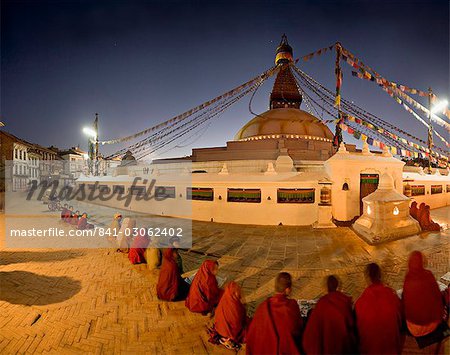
(385, 214)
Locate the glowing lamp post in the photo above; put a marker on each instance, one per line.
(92, 133)
(438, 107)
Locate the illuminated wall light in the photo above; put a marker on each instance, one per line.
(395, 211)
(369, 210)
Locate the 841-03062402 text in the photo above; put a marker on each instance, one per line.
(97, 232)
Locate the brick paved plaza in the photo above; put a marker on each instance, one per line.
(94, 300)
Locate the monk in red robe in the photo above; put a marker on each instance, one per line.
(136, 254)
(426, 223)
(277, 325)
(446, 295)
(83, 222)
(69, 214)
(331, 327)
(422, 300)
(414, 211)
(74, 218)
(65, 212)
(378, 316)
(204, 293)
(171, 286)
(231, 318)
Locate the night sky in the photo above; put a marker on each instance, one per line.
(138, 63)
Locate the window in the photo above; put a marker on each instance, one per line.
(162, 192)
(200, 193)
(15, 153)
(436, 189)
(296, 195)
(244, 195)
(119, 189)
(417, 190)
(137, 190)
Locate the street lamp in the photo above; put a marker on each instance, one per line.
(440, 106)
(92, 133)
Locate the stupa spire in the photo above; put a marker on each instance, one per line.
(285, 93)
(284, 52)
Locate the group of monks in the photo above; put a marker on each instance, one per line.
(375, 324)
(422, 215)
(140, 248)
(80, 221)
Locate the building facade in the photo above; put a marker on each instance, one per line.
(280, 168)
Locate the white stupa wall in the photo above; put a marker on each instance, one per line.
(345, 167)
(433, 200)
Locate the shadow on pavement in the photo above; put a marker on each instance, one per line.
(15, 257)
(27, 288)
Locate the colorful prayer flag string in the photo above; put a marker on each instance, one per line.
(321, 51)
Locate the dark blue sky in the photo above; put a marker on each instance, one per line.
(138, 63)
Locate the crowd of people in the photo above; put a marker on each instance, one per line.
(376, 323)
(79, 221)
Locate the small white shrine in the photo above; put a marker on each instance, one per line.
(385, 214)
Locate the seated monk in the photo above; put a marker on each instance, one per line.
(83, 222)
(175, 243)
(136, 255)
(422, 300)
(446, 295)
(414, 211)
(420, 213)
(115, 225)
(171, 286)
(277, 325)
(378, 316)
(204, 293)
(64, 212)
(74, 218)
(125, 233)
(69, 214)
(426, 222)
(153, 255)
(231, 319)
(331, 328)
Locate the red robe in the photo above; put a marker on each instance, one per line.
(414, 211)
(331, 326)
(276, 327)
(74, 220)
(422, 300)
(83, 224)
(204, 293)
(170, 284)
(136, 254)
(68, 218)
(65, 213)
(446, 295)
(230, 315)
(426, 222)
(379, 320)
